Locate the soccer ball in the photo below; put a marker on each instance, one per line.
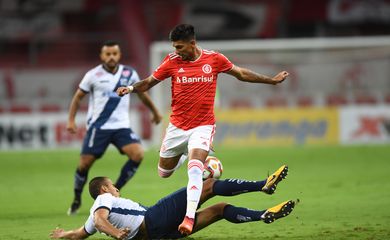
(212, 168)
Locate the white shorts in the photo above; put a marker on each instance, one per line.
(178, 141)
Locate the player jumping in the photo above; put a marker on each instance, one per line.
(193, 72)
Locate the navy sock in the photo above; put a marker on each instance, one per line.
(127, 172)
(231, 187)
(241, 215)
(80, 178)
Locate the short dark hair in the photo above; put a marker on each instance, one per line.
(94, 186)
(184, 32)
(110, 43)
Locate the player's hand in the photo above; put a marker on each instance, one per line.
(123, 233)
(280, 77)
(57, 233)
(71, 127)
(156, 118)
(121, 91)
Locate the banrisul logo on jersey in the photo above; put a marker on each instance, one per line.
(198, 79)
(201, 79)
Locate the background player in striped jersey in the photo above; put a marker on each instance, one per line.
(122, 218)
(108, 118)
(193, 72)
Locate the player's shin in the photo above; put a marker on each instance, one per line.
(231, 187)
(127, 172)
(80, 178)
(241, 215)
(194, 187)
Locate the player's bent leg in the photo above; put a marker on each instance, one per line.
(237, 215)
(281, 210)
(166, 166)
(273, 180)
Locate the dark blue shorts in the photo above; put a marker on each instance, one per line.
(96, 140)
(163, 218)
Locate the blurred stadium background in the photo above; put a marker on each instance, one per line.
(337, 95)
(337, 53)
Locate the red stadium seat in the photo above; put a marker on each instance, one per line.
(336, 100)
(240, 103)
(387, 99)
(50, 108)
(365, 99)
(305, 101)
(16, 108)
(276, 102)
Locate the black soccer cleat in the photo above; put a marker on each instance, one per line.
(74, 208)
(274, 179)
(281, 210)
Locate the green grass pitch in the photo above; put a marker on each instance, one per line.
(344, 192)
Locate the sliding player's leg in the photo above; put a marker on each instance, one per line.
(235, 214)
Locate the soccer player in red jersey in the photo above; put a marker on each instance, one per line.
(193, 72)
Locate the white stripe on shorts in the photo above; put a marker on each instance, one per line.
(90, 143)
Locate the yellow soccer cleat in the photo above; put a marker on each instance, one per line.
(274, 179)
(279, 211)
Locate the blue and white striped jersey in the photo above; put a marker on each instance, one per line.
(106, 110)
(124, 213)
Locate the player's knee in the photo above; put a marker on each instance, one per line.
(164, 173)
(219, 208)
(136, 156)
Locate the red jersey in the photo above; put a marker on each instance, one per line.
(193, 87)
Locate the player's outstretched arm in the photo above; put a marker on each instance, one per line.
(141, 86)
(103, 225)
(59, 233)
(246, 75)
